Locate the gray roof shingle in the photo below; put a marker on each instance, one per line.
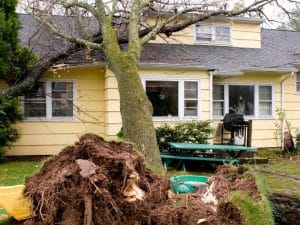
(280, 50)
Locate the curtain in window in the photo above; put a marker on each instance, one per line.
(265, 100)
(190, 98)
(62, 99)
(218, 100)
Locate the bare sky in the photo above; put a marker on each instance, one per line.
(273, 12)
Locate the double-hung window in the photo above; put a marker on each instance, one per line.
(218, 34)
(250, 100)
(50, 100)
(173, 98)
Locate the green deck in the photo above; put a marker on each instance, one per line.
(186, 146)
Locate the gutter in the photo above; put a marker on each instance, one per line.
(269, 70)
(225, 74)
(282, 107)
(211, 76)
(166, 66)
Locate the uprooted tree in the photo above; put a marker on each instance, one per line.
(120, 29)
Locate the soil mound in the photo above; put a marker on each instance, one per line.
(96, 182)
(85, 184)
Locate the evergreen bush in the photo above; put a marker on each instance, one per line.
(15, 62)
(189, 132)
(9, 114)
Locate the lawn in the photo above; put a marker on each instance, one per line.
(14, 172)
(282, 175)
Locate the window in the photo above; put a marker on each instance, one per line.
(265, 100)
(35, 101)
(241, 99)
(249, 100)
(49, 100)
(218, 103)
(174, 98)
(297, 82)
(213, 33)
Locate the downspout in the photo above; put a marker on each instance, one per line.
(282, 108)
(210, 73)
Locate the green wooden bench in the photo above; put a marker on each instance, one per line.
(201, 152)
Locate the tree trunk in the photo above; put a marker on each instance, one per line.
(136, 111)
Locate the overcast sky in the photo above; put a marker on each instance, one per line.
(271, 11)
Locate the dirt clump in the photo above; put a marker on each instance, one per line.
(84, 184)
(97, 182)
(230, 178)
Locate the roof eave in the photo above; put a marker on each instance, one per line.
(227, 74)
(166, 66)
(278, 70)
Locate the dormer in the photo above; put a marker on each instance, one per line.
(219, 31)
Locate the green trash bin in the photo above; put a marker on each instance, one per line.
(187, 183)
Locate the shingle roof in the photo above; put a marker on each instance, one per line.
(280, 50)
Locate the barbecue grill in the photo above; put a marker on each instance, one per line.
(233, 121)
(237, 127)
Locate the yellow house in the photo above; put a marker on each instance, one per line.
(204, 72)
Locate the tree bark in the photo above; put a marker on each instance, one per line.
(136, 110)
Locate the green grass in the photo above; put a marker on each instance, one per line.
(14, 172)
(283, 166)
(282, 175)
(254, 212)
(4, 220)
(269, 153)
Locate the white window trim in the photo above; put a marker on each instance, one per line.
(180, 98)
(256, 100)
(220, 43)
(49, 116)
(295, 83)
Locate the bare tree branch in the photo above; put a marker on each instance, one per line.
(37, 72)
(67, 36)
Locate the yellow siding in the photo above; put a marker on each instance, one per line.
(292, 105)
(97, 104)
(49, 137)
(244, 35)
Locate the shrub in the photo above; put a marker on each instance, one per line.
(9, 114)
(190, 132)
